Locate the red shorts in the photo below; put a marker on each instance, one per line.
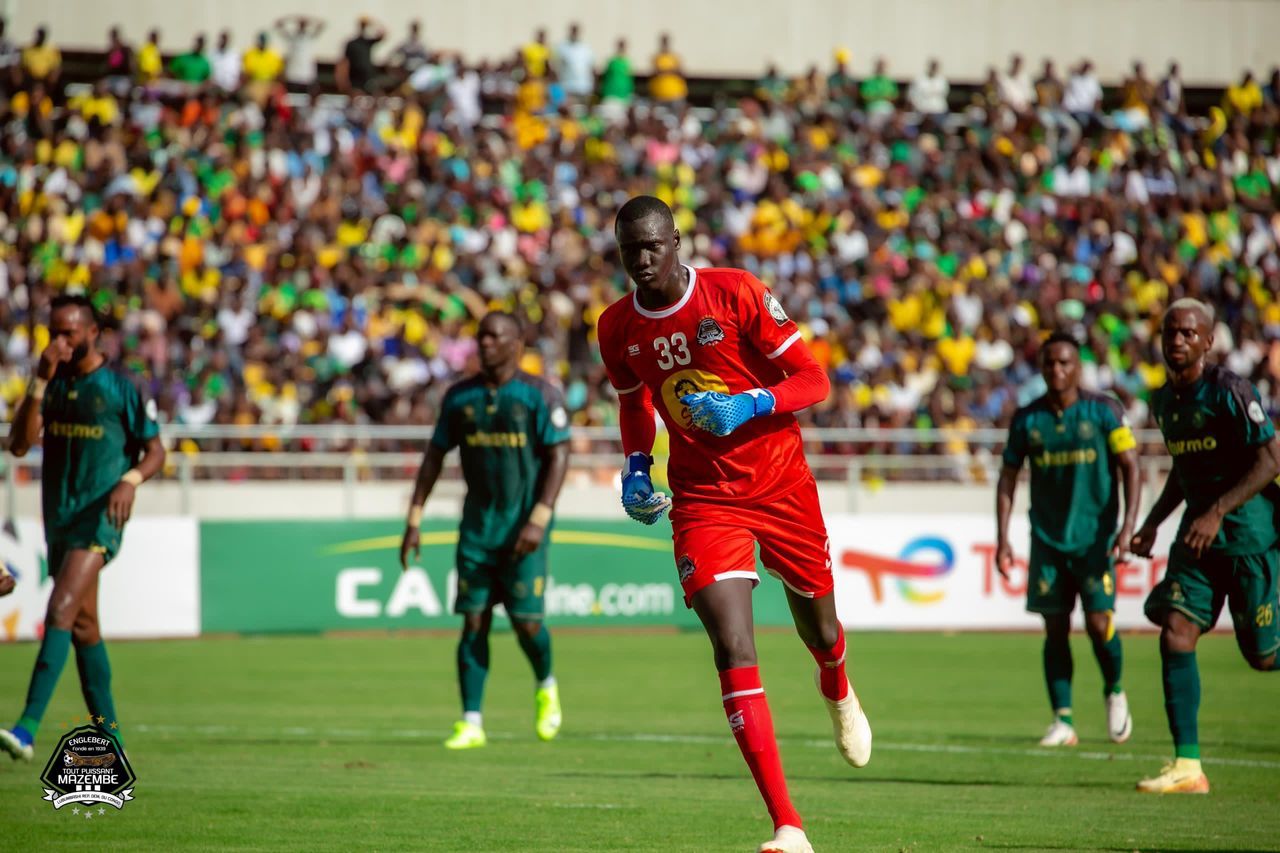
(715, 542)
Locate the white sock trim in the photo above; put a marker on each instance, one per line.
(547, 683)
(735, 694)
(475, 718)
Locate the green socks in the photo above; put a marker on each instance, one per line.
(473, 669)
(1110, 660)
(95, 683)
(1057, 674)
(1182, 700)
(44, 678)
(538, 650)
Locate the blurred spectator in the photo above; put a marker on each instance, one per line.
(1137, 96)
(667, 85)
(411, 54)
(1048, 87)
(879, 93)
(1244, 97)
(1169, 92)
(356, 70)
(841, 87)
(299, 48)
(536, 55)
(772, 87)
(262, 63)
(150, 61)
(10, 57)
(227, 64)
(928, 92)
(617, 84)
(41, 60)
(1083, 95)
(193, 66)
(575, 64)
(118, 65)
(1015, 88)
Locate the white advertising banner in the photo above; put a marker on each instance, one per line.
(151, 588)
(932, 572)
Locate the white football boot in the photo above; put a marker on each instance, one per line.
(1119, 721)
(849, 723)
(1060, 734)
(788, 839)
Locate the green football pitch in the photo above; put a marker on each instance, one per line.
(333, 743)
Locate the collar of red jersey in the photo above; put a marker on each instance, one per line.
(670, 309)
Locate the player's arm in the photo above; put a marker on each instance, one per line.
(1123, 446)
(1131, 489)
(1254, 430)
(25, 430)
(142, 431)
(1015, 452)
(636, 423)
(555, 465)
(764, 324)
(1262, 472)
(428, 473)
(1171, 498)
(553, 438)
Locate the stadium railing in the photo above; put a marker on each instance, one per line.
(354, 455)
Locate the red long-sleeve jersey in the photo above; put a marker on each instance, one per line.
(729, 334)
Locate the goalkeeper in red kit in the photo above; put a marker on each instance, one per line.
(716, 355)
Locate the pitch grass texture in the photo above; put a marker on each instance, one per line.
(332, 743)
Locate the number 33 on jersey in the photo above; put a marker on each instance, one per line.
(727, 334)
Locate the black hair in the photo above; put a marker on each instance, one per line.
(642, 207)
(1060, 337)
(77, 300)
(509, 317)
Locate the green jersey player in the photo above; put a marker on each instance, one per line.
(1081, 452)
(1225, 454)
(100, 443)
(511, 430)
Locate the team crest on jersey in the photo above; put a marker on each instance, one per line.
(775, 309)
(1036, 438)
(709, 332)
(686, 568)
(1086, 430)
(1197, 418)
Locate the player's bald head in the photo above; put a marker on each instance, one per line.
(1188, 307)
(640, 209)
(502, 321)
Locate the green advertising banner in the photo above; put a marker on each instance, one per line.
(303, 576)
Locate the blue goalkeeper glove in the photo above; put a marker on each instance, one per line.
(639, 499)
(720, 414)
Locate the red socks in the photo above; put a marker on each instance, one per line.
(752, 725)
(835, 685)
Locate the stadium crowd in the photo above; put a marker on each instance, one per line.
(268, 251)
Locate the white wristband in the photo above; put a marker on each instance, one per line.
(415, 517)
(541, 515)
(36, 388)
(133, 477)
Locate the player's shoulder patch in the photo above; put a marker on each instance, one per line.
(551, 395)
(774, 307)
(1108, 402)
(1246, 396)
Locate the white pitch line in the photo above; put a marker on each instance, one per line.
(642, 737)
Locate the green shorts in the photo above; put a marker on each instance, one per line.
(1197, 587)
(1055, 579)
(92, 533)
(518, 585)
